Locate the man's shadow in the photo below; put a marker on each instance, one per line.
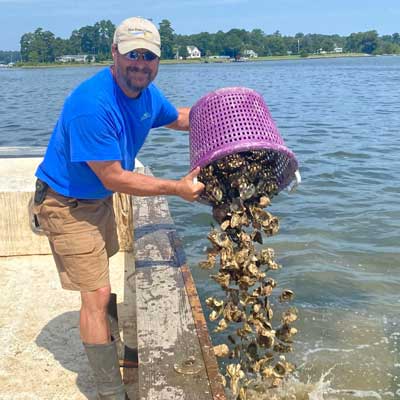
(60, 336)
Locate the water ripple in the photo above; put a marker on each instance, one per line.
(339, 237)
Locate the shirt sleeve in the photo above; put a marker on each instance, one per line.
(93, 139)
(167, 113)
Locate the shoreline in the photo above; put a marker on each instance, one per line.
(204, 60)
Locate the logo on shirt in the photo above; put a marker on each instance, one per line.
(146, 115)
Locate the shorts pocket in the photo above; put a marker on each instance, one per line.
(70, 244)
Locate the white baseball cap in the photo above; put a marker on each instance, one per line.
(137, 33)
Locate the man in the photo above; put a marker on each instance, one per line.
(91, 154)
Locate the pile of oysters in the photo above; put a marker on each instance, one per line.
(239, 187)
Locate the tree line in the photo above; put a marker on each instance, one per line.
(7, 57)
(43, 46)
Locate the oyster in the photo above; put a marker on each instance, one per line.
(239, 187)
(222, 325)
(289, 316)
(209, 263)
(236, 374)
(213, 303)
(266, 338)
(221, 350)
(226, 224)
(264, 201)
(286, 295)
(242, 394)
(283, 348)
(222, 278)
(219, 239)
(285, 333)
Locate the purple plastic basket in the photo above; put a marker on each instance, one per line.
(233, 120)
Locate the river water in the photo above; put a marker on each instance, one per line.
(339, 237)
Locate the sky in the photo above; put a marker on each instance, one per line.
(194, 16)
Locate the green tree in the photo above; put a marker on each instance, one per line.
(38, 46)
(74, 45)
(25, 46)
(182, 51)
(369, 42)
(275, 45)
(105, 32)
(60, 47)
(89, 39)
(219, 43)
(362, 42)
(256, 41)
(203, 41)
(167, 39)
(234, 42)
(42, 46)
(9, 56)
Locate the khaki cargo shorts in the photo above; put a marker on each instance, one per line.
(82, 236)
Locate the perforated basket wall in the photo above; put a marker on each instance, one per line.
(236, 119)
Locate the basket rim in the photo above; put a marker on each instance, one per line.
(216, 154)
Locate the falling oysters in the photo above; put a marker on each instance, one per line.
(239, 187)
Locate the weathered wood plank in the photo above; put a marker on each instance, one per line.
(167, 339)
(171, 364)
(206, 346)
(127, 314)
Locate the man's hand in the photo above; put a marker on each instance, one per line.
(188, 188)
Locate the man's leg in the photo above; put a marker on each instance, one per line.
(101, 352)
(94, 326)
(77, 235)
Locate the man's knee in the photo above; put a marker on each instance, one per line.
(96, 300)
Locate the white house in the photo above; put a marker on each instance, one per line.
(82, 58)
(193, 52)
(250, 54)
(338, 50)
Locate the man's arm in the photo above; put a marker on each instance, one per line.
(182, 122)
(116, 179)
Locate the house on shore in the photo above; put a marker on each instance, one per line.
(79, 58)
(193, 52)
(250, 53)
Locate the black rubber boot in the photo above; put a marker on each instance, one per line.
(103, 360)
(128, 357)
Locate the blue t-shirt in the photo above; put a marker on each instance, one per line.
(100, 123)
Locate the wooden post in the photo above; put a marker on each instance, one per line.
(123, 204)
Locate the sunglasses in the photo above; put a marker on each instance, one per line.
(134, 55)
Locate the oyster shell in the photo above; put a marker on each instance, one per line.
(221, 350)
(239, 187)
(286, 295)
(236, 374)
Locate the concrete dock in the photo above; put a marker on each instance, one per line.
(41, 356)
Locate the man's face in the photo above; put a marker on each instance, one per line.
(133, 75)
